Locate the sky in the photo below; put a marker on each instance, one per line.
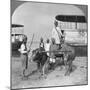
(38, 18)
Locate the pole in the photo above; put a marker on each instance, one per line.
(31, 43)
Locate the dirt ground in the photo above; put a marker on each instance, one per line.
(54, 78)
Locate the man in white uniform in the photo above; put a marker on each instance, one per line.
(56, 33)
(47, 46)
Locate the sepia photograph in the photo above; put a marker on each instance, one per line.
(49, 44)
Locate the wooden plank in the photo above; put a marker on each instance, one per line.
(56, 51)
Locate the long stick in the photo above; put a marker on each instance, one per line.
(31, 43)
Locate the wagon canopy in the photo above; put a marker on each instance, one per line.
(71, 18)
(17, 29)
(74, 26)
(16, 25)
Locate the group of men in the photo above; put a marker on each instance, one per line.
(50, 46)
(58, 37)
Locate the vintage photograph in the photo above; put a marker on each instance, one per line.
(49, 44)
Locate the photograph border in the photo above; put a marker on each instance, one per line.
(11, 44)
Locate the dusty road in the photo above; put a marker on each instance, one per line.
(54, 78)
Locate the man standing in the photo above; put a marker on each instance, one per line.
(41, 44)
(47, 46)
(57, 33)
(24, 55)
